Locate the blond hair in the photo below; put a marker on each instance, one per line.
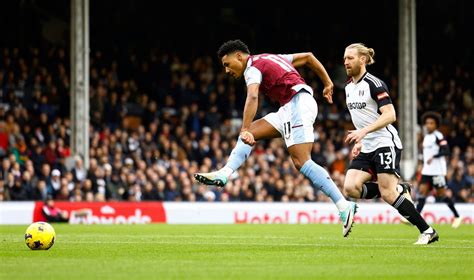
(362, 50)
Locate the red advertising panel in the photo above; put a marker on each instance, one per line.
(108, 212)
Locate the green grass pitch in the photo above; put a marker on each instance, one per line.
(238, 252)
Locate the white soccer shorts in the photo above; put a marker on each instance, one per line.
(295, 119)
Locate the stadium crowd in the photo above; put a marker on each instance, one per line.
(157, 119)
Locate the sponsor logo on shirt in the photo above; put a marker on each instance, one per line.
(356, 105)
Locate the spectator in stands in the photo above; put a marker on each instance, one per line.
(79, 171)
(40, 192)
(54, 183)
(460, 185)
(4, 194)
(3, 139)
(17, 190)
(5, 169)
(470, 181)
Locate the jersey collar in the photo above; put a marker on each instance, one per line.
(249, 62)
(361, 78)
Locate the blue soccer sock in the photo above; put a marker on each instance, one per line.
(321, 180)
(237, 157)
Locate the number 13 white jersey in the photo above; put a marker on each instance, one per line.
(363, 99)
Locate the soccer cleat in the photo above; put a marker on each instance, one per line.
(427, 238)
(406, 191)
(347, 218)
(457, 222)
(213, 178)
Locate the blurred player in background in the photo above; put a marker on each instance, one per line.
(433, 173)
(276, 77)
(377, 147)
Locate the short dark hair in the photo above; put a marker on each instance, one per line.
(432, 115)
(232, 46)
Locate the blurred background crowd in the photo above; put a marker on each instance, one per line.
(158, 117)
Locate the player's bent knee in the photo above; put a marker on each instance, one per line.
(389, 195)
(351, 190)
(298, 162)
(298, 165)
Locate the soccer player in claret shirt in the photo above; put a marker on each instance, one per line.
(433, 173)
(275, 76)
(377, 147)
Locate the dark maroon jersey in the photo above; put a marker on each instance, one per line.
(278, 79)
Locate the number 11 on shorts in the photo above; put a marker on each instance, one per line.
(287, 129)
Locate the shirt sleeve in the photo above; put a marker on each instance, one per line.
(287, 57)
(443, 145)
(252, 76)
(379, 92)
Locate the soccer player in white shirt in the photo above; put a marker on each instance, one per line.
(377, 147)
(433, 173)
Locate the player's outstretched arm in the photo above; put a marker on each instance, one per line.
(250, 110)
(308, 59)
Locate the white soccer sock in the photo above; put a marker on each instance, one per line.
(227, 171)
(342, 204)
(429, 230)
